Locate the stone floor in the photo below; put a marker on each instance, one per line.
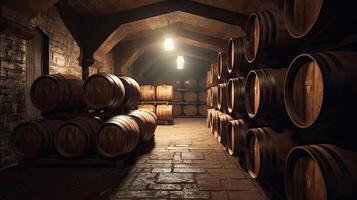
(187, 163)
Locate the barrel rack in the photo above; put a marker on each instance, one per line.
(189, 103)
(54, 160)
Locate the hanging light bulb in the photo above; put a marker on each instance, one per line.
(168, 44)
(180, 61)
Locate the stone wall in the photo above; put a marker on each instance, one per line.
(63, 58)
(12, 92)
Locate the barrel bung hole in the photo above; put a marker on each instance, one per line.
(302, 15)
(307, 94)
(308, 181)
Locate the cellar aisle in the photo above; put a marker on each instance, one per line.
(187, 162)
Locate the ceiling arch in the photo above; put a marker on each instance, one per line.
(202, 25)
(92, 31)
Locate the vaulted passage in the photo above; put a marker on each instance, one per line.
(178, 99)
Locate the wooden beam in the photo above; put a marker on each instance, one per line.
(94, 32)
(178, 20)
(15, 16)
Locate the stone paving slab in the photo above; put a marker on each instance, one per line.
(187, 162)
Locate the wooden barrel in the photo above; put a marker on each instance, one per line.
(318, 84)
(222, 97)
(104, 91)
(190, 83)
(320, 19)
(176, 83)
(146, 122)
(164, 112)
(236, 141)
(266, 37)
(209, 98)
(148, 107)
(215, 96)
(321, 172)
(177, 110)
(34, 138)
(178, 97)
(209, 117)
(147, 93)
(153, 115)
(132, 91)
(76, 137)
(190, 96)
(164, 93)
(202, 110)
(202, 96)
(215, 123)
(268, 151)
(209, 78)
(222, 71)
(222, 129)
(264, 94)
(190, 110)
(117, 136)
(57, 92)
(236, 96)
(202, 83)
(236, 61)
(214, 73)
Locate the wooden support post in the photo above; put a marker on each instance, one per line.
(37, 64)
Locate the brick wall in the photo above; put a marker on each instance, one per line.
(12, 92)
(63, 58)
(63, 50)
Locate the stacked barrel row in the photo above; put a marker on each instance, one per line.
(85, 118)
(67, 93)
(287, 115)
(190, 101)
(158, 100)
(82, 137)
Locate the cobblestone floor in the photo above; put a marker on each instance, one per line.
(187, 163)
